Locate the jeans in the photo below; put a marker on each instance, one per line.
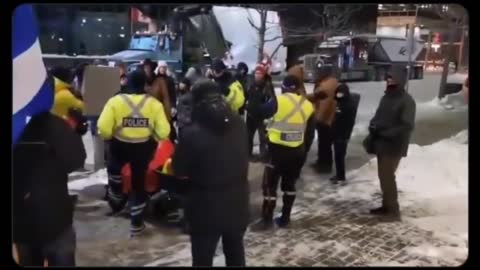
(59, 252)
(205, 244)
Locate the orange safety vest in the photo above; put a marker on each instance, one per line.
(163, 153)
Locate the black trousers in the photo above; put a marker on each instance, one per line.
(138, 155)
(324, 140)
(60, 252)
(286, 165)
(205, 244)
(254, 125)
(340, 149)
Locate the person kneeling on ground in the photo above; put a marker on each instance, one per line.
(212, 154)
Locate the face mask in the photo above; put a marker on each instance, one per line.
(391, 87)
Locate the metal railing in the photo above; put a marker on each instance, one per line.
(389, 13)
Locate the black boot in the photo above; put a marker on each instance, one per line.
(379, 211)
(390, 217)
(284, 220)
(266, 222)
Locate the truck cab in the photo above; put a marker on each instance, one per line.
(189, 35)
(157, 46)
(363, 57)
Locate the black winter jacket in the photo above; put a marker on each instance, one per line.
(258, 94)
(393, 123)
(184, 110)
(345, 114)
(212, 153)
(48, 151)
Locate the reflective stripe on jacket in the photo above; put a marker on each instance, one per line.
(289, 122)
(133, 119)
(236, 96)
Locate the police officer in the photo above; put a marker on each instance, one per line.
(132, 123)
(231, 88)
(291, 112)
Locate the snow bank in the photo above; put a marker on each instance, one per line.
(433, 185)
(454, 101)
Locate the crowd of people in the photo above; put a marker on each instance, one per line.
(212, 119)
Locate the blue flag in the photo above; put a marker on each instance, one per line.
(32, 89)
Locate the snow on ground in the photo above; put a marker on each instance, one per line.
(433, 195)
(432, 182)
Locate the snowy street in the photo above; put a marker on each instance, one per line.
(330, 224)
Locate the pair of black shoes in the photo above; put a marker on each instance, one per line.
(386, 215)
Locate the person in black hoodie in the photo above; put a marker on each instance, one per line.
(389, 136)
(342, 126)
(212, 154)
(42, 208)
(258, 94)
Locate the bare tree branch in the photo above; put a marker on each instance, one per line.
(250, 21)
(273, 39)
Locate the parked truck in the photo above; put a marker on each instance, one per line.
(189, 35)
(363, 57)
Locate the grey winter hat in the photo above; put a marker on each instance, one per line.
(398, 73)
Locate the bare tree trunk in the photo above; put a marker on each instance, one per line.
(261, 34)
(448, 59)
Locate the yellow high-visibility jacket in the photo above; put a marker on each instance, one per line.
(133, 118)
(235, 96)
(64, 100)
(290, 120)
